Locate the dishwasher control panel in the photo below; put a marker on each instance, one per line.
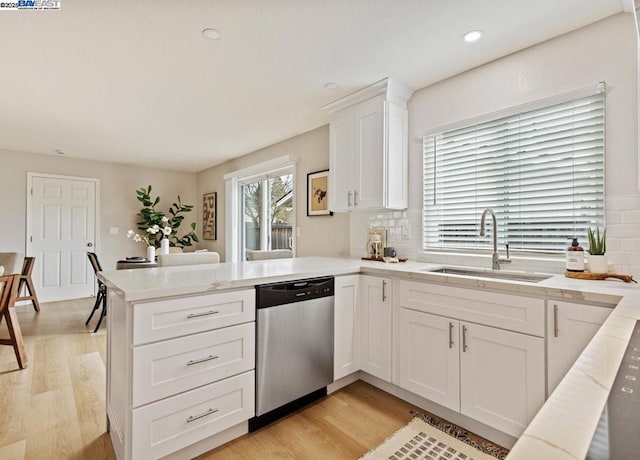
(269, 295)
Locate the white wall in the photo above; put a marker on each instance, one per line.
(604, 51)
(319, 235)
(118, 204)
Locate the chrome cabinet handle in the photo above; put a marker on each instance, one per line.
(450, 335)
(384, 290)
(204, 414)
(555, 320)
(355, 198)
(206, 313)
(464, 338)
(349, 199)
(202, 360)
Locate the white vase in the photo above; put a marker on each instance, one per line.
(598, 264)
(151, 254)
(164, 246)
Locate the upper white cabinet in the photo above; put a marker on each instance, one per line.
(569, 329)
(369, 149)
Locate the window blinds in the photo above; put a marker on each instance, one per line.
(541, 171)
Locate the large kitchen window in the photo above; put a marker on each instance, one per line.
(541, 170)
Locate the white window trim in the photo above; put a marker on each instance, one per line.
(232, 180)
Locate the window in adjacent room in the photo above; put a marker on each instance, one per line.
(266, 212)
(541, 170)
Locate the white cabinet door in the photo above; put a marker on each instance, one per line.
(346, 347)
(376, 326)
(501, 377)
(570, 327)
(368, 185)
(341, 161)
(429, 360)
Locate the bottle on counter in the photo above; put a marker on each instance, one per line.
(575, 257)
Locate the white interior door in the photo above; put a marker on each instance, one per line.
(62, 230)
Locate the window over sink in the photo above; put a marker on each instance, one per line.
(540, 168)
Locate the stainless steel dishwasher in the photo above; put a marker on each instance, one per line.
(294, 346)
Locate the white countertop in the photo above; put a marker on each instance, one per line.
(563, 427)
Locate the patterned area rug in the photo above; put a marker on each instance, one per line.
(422, 439)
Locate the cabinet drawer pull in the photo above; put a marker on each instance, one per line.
(202, 360)
(464, 338)
(355, 198)
(450, 335)
(204, 414)
(206, 313)
(348, 199)
(555, 320)
(384, 291)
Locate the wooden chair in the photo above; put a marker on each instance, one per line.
(27, 284)
(9, 285)
(101, 297)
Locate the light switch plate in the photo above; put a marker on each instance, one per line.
(114, 230)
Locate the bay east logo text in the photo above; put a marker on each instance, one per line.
(30, 5)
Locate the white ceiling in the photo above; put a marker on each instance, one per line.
(134, 81)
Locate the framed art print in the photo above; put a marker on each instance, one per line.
(209, 218)
(318, 194)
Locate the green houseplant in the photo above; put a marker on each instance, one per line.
(597, 250)
(156, 225)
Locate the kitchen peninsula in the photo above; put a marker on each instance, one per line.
(173, 415)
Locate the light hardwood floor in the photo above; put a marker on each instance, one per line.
(55, 409)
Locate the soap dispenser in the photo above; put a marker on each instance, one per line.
(575, 257)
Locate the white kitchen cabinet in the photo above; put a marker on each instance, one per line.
(570, 327)
(180, 372)
(368, 160)
(501, 377)
(375, 326)
(346, 346)
(429, 357)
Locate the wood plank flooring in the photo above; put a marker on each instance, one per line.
(55, 408)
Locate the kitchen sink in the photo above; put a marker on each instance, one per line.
(492, 274)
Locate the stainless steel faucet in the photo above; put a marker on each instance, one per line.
(496, 260)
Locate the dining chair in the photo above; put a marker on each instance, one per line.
(8, 296)
(27, 284)
(101, 296)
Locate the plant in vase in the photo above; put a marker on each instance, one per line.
(597, 251)
(162, 228)
(144, 238)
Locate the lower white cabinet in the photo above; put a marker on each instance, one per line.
(376, 314)
(570, 327)
(488, 374)
(429, 357)
(177, 422)
(501, 377)
(346, 338)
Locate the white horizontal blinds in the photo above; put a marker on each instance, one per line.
(541, 171)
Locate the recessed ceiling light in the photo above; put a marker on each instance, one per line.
(472, 36)
(211, 34)
(59, 152)
(332, 85)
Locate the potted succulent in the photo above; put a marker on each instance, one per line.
(597, 251)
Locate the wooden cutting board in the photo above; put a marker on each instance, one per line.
(598, 276)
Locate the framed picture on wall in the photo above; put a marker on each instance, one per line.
(317, 194)
(209, 217)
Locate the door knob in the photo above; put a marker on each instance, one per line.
(89, 245)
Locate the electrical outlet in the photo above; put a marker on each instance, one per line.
(114, 230)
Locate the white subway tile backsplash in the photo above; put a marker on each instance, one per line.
(614, 217)
(623, 203)
(630, 217)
